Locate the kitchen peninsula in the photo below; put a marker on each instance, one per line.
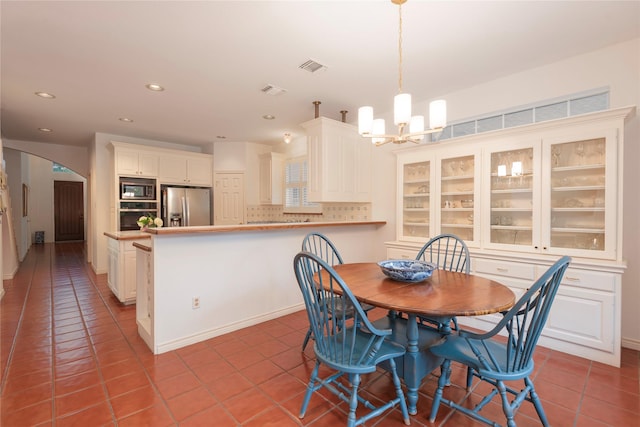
(195, 283)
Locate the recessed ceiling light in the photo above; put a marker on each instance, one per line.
(45, 95)
(154, 87)
(45, 130)
(125, 119)
(268, 117)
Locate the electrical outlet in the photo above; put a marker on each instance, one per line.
(195, 302)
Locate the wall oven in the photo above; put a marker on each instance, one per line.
(137, 189)
(131, 211)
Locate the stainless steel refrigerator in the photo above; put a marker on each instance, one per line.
(185, 206)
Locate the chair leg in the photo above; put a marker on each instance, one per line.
(536, 402)
(469, 377)
(310, 388)
(442, 382)
(398, 386)
(506, 406)
(306, 339)
(353, 402)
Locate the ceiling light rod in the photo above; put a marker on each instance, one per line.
(375, 129)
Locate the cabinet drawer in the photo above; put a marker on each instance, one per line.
(395, 253)
(503, 268)
(589, 279)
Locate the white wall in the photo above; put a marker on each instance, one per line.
(41, 197)
(74, 158)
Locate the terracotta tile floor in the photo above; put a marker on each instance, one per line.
(70, 356)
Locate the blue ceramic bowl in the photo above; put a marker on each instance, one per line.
(407, 270)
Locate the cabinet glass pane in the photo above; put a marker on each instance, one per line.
(578, 194)
(512, 197)
(415, 199)
(457, 196)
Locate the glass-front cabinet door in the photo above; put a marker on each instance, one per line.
(581, 189)
(554, 195)
(512, 209)
(416, 188)
(457, 201)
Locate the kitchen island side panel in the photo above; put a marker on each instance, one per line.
(240, 279)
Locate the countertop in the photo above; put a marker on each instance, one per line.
(127, 235)
(256, 227)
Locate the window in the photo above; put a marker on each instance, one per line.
(295, 179)
(60, 168)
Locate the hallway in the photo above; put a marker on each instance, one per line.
(70, 355)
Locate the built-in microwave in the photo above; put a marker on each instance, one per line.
(137, 189)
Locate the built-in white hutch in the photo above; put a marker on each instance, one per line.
(521, 198)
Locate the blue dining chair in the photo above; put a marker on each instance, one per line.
(497, 361)
(447, 252)
(340, 344)
(320, 245)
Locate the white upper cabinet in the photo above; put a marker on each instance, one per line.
(556, 193)
(136, 163)
(550, 188)
(186, 169)
(339, 162)
(271, 178)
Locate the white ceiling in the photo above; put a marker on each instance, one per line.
(213, 57)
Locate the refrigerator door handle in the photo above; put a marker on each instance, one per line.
(165, 217)
(185, 210)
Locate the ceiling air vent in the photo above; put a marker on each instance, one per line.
(273, 90)
(312, 66)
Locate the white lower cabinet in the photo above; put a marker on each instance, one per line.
(121, 275)
(585, 316)
(144, 305)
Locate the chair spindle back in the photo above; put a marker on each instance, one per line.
(448, 252)
(333, 311)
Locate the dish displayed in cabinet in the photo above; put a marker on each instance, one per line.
(578, 194)
(457, 196)
(416, 199)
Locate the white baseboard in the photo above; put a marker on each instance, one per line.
(212, 333)
(631, 343)
(10, 275)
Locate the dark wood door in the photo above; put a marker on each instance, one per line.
(68, 210)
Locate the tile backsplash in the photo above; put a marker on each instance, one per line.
(330, 212)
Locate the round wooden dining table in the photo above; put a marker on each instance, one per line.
(444, 294)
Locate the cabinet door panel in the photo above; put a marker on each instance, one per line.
(581, 194)
(127, 162)
(173, 170)
(456, 204)
(416, 187)
(148, 164)
(582, 317)
(512, 208)
(199, 171)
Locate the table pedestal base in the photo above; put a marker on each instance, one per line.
(418, 361)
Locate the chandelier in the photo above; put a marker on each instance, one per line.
(410, 128)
